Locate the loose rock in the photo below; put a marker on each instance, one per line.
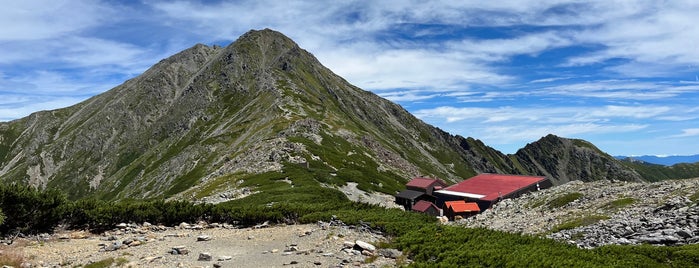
(364, 245)
(205, 256)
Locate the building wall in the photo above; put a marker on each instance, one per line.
(406, 203)
(432, 211)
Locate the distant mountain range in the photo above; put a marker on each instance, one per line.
(662, 160)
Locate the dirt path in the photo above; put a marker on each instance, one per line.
(318, 245)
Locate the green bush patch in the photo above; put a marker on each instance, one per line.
(564, 200)
(536, 203)
(619, 203)
(577, 222)
(694, 197)
(101, 264)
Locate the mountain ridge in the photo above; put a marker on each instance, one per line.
(213, 118)
(668, 160)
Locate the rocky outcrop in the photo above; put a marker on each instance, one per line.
(606, 212)
(674, 223)
(563, 160)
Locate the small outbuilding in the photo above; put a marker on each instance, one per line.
(460, 208)
(425, 185)
(427, 207)
(408, 198)
(417, 189)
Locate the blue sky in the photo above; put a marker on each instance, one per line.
(623, 75)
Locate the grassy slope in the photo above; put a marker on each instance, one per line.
(653, 172)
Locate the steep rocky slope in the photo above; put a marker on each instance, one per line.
(591, 214)
(563, 160)
(213, 114)
(209, 119)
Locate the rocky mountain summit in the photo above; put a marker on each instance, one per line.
(218, 115)
(208, 120)
(592, 214)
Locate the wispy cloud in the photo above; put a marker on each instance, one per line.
(410, 96)
(41, 20)
(545, 115)
(620, 89)
(647, 35)
(16, 106)
(521, 134)
(688, 132)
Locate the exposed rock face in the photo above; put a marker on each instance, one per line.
(660, 213)
(563, 160)
(674, 223)
(207, 112)
(258, 105)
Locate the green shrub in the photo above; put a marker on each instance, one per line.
(564, 200)
(101, 264)
(619, 203)
(28, 210)
(536, 203)
(96, 214)
(452, 246)
(577, 222)
(694, 197)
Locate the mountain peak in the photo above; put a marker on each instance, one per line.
(267, 41)
(212, 117)
(267, 34)
(565, 160)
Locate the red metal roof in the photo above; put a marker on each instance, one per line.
(462, 206)
(423, 205)
(493, 186)
(423, 183)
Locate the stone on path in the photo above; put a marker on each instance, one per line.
(181, 250)
(390, 253)
(224, 258)
(205, 256)
(364, 245)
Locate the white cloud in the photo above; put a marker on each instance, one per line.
(38, 20)
(548, 80)
(500, 49)
(620, 89)
(688, 132)
(546, 115)
(628, 111)
(648, 36)
(376, 69)
(410, 96)
(528, 133)
(45, 85)
(18, 106)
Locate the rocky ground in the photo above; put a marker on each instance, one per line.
(326, 244)
(376, 198)
(607, 213)
(604, 212)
